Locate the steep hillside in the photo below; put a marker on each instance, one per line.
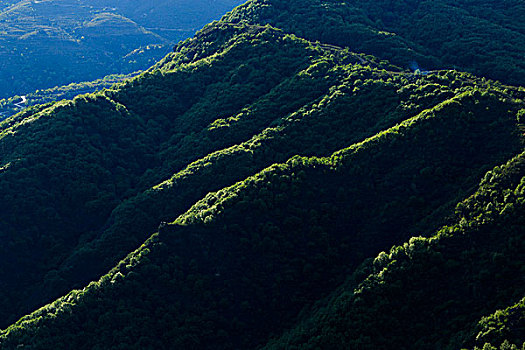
(504, 328)
(260, 251)
(239, 190)
(436, 288)
(483, 37)
(51, 43)
(98, 150)
(87, 206)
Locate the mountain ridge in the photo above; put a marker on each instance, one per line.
(265, 173)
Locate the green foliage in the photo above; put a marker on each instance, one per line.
(436, 34)
(226, 255)
(258, 172)
(502, 326)
(434, 288)
(521, 116)
(128, 147)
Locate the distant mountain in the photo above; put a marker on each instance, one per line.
(166, 16)
(49, 43)
(266, 186)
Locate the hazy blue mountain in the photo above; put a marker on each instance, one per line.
(55, 42)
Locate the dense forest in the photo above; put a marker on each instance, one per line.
(298, 175)
(482, 37)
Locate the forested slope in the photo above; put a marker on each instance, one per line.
(504, 327)
(90, 154)
(265, 171)
(483, 37)
(435, 288)
(262, 250)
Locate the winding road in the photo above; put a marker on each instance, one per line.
(21, 103)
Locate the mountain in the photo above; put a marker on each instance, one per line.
(476, 261)
(167, 17)
(14, 104)
(51, 43)
(482, 37)
(266, 186)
